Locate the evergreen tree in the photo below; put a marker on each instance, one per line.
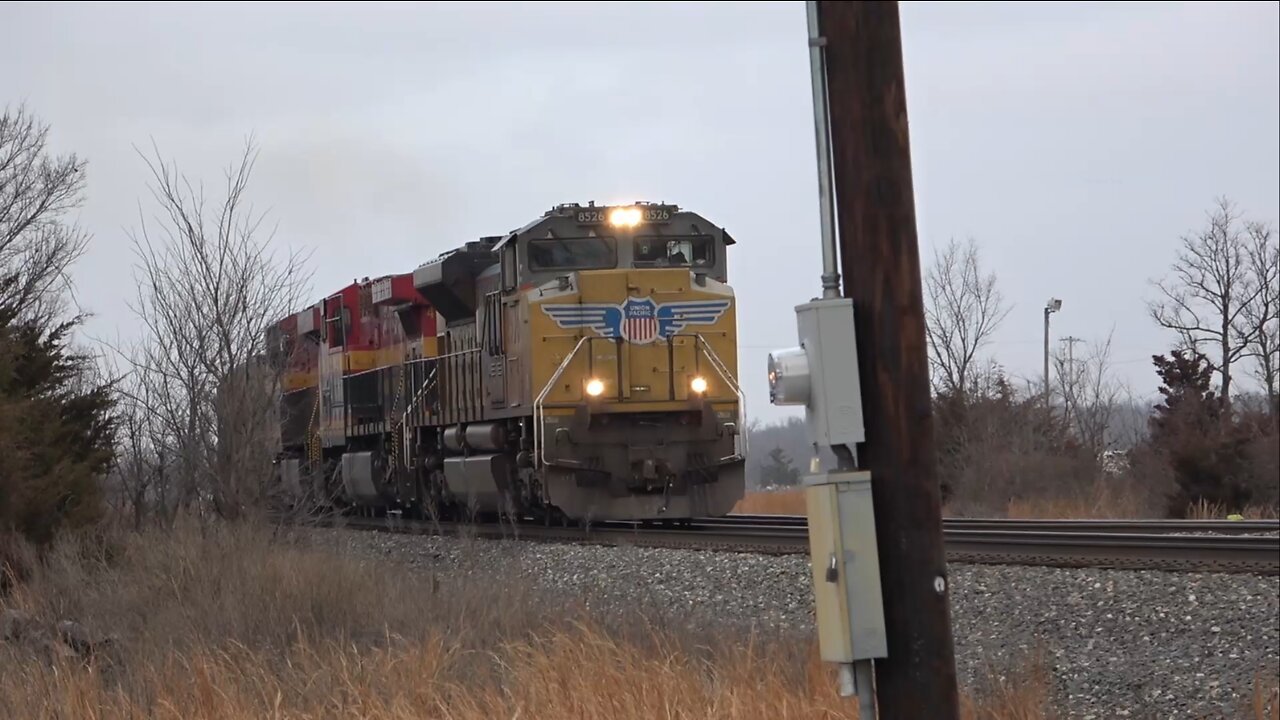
(778, 470)
(1193, 429)
(56, 430)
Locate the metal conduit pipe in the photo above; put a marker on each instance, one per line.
(818, 73)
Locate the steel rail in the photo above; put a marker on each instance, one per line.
(1154, 527)
(1078, 548)
(1211, 553)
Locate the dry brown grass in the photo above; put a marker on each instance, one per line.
(777, 502)
(244, 624)
(569, 672)
(1266, 697)
(240, 624)
(1110, 499)
(1100, 500)
(17, 558)
(1205, 510)
(1021, 695)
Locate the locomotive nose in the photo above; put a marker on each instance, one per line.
(655, 323)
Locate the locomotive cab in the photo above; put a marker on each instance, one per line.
(573, 239)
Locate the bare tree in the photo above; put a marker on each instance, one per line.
(1259, 327)
(139, 480)
(963, 308)
(208, 290)
(1092, 396)
(1211, 287)
(37, 241)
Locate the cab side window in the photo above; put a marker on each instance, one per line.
(674, 252)
(588, 253)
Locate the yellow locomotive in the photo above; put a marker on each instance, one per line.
(583, 366)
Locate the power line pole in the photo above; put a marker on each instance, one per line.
(880, 265)
(1069, 383)
(1070, 341)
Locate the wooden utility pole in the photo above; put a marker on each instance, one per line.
(880, 265)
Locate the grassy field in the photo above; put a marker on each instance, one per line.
(231, 624)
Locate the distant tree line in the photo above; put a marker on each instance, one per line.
(1079, 441)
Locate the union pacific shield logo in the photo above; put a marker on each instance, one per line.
(638, 320)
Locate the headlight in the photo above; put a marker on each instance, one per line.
(699, 385)
(624, 217)
(594, 387)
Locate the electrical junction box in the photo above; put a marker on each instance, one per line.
(822, 374)
(846, 567)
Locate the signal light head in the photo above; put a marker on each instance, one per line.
(789, 377)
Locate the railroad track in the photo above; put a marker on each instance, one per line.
(1150, 545)
(1153, 527)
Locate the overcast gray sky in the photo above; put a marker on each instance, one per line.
(1074, 141)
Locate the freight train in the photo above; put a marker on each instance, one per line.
(583, 367)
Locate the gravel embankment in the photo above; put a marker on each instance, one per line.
(1122, 643)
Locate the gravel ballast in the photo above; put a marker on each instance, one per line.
(1119, 643)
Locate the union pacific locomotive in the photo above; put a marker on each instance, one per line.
(582, 367)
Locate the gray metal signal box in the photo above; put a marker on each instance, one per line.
(822, 375)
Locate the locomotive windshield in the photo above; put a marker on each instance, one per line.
(674, 252)
(588, 253)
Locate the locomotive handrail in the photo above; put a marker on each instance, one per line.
(414, 361)
(723, 370)
(408, 407)
(446, 356)
(539, 444)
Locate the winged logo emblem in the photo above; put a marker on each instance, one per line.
(638, 320)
